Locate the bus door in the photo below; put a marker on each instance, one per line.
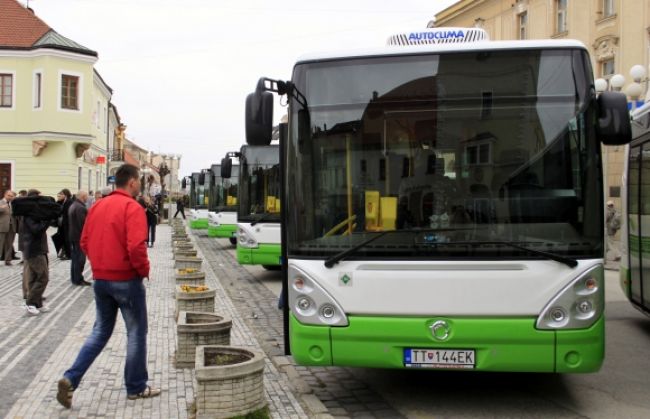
(639, 224)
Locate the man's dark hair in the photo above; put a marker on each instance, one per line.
(22, 192)
(125, 173)
(33, 192)
(66, 192)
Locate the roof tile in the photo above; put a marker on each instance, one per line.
(19, 27)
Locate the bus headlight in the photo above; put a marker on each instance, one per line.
(242, 237)
(245, 238)
(578, 305)
(311, 303)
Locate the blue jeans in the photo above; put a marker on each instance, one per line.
(77, 263)
(130, 298)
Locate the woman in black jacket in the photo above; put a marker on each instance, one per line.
(152, 219)
(65, 199)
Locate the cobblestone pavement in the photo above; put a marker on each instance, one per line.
(335, 388)
(35, 351)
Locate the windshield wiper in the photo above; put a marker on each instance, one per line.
(262, 217)
(571, 263)
(331, 261)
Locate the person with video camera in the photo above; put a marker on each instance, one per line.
(37, 213)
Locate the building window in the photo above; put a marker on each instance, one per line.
(97, 113)
(69, 92)
(5, 177)
(561, 6)
(478, 154)
(523, 25)
(79, 173)
(607, 68)
(38, 93)
(608, 8)
(6, 90)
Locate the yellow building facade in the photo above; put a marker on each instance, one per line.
(616, 33)
(54, 109)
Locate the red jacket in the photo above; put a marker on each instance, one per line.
(113, 238)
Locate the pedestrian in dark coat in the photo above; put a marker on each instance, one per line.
(65, 199)
(77, 218)
(36, 266)
(180, 207)
(151, 212)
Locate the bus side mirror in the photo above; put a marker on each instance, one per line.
(259, 118)
(226, 167)
(184, 183)
(613, 119)
(201, 178)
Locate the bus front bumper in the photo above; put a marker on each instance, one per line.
(222, 230)
(500, 344)
(264, 254)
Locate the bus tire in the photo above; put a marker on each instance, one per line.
(272, 267)
(233, 240)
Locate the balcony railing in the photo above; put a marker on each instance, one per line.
(116, 155)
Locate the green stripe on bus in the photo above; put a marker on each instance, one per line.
(200, 224)
(501, 344)
(264, 254)
(223, 230)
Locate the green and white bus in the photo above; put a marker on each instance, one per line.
(222, 219)
(635, 231)
(215, 194)
(258, 219)
(443, 203)
(199, 200)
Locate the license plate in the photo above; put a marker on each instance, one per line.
(440, 358)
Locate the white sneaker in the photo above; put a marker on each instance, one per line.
(32, 310)
(44, 309)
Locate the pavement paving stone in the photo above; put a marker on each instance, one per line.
(35, 351)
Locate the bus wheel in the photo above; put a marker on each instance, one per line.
(271, 267)
(233, 240)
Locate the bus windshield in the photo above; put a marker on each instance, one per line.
(259, 185)
(198, 196)
(225, 191)
(481, 146)
(215, 187)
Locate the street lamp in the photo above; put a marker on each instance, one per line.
(617, 81)
(633, 90)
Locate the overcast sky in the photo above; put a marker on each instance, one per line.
(180, 70)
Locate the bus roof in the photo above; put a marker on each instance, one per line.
(440, 48)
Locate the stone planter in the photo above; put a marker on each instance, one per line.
(202, 301)
(225, 390)
(194, 329)
(183, 245)
(190, 278)
(179, 241)
(188, 262)
(184, 253)
(179, 237)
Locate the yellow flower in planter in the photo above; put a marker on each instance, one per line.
(194, 288)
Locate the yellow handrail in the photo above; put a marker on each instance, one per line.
(341, 224)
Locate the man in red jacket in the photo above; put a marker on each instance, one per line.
(113, 239)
